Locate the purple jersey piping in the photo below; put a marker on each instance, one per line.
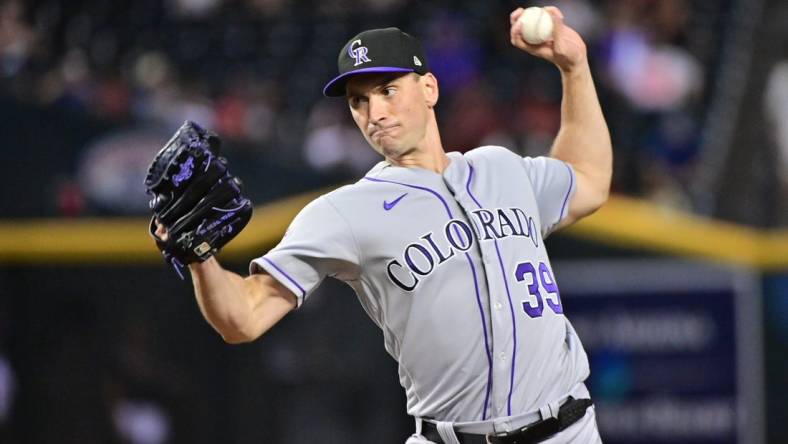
(508, 295)
(568, 192)
(303, 292)
(475, 285)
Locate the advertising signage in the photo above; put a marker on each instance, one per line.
(674, 348)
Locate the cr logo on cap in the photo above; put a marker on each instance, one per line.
(359, 53)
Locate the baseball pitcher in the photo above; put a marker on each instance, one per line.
(444, 250)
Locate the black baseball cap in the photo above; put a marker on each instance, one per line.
(377, 50)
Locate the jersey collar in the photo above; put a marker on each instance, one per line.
(454, 177)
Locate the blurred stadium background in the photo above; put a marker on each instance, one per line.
(679, 287)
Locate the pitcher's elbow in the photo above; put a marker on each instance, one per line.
(233, 333)
(235, 338)
(604, 195)
(596, 200)
(603, 183)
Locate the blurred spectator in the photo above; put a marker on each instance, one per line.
(71, 86)
(776, 103)
(150, 70)
(332, 142)
(776, 112)
(671, 146)
(661, 83)
(173, 103)
(652, 78)
(246, 110)
(16, 39)
(642, 62)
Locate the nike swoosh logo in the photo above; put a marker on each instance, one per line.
(389, 205)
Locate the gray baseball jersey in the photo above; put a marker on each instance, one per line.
(454, 271)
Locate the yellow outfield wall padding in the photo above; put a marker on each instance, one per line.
(635, 223)
(623, 222)
(126, 240)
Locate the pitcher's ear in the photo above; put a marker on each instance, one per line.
(431, 90)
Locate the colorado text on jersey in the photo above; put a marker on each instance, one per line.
(422, 257)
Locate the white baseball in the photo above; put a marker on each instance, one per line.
(536, 25)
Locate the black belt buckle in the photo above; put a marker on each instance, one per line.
(534, 433)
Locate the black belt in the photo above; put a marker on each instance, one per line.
(569, 413)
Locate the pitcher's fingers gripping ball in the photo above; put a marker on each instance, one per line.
(195, 199)
(561, 46)
(536, 25)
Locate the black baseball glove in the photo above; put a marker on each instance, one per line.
(194, 197)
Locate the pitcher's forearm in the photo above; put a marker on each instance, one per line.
(584, 140)
(222, 300)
